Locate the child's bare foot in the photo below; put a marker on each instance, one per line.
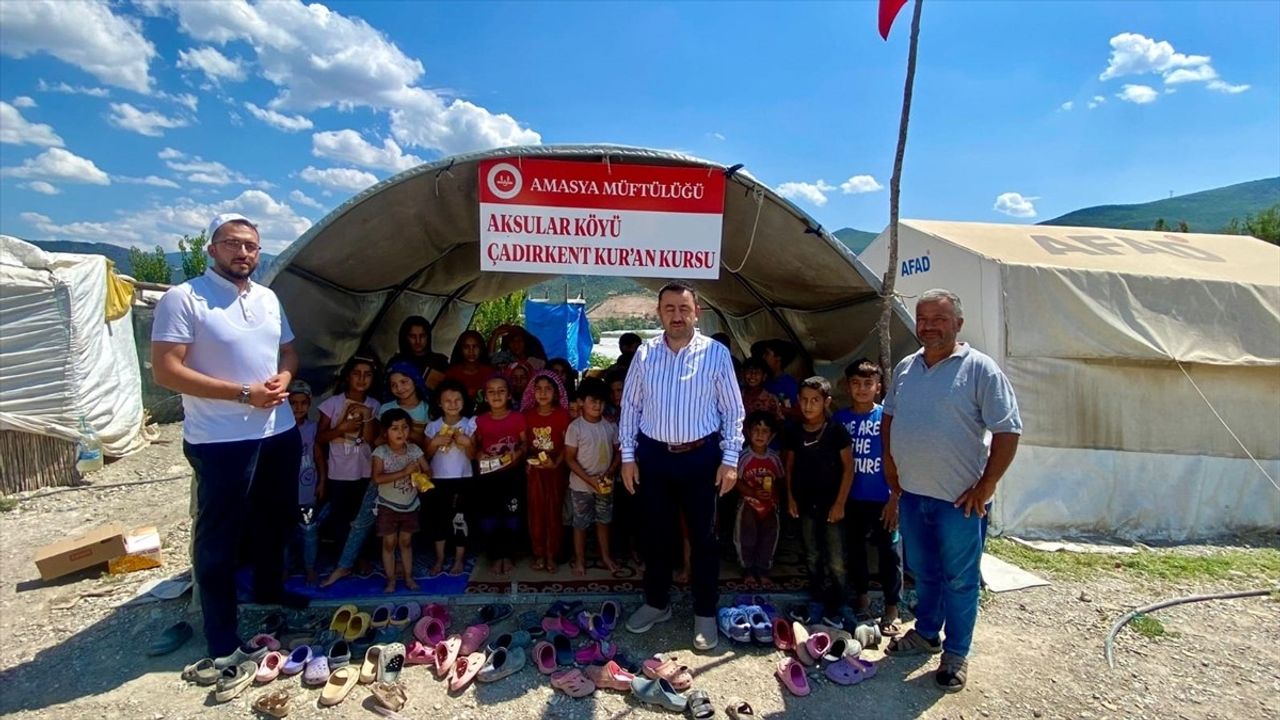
(539, 564)
(437, 568)
(313, 578)
(335, 576)
(682, 576)
(457, 568)
(552, 567)
(579, 570)
(609, 564)
(409, 583)
(390, 587)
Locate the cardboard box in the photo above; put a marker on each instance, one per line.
(77, 553)
(142, 552)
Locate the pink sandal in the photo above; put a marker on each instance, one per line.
(446, 655)
(610, 676)
(573, 683)
(419, 654)
(791, 673)
(464, 671)
(544, 656)
(673, 672)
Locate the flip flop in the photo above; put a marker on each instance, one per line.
(791, 673)
(297, 660)
(739, 710)
(391, 696)
(502, 663)
(356, 628)
(492, 614)
(700, 705)
(464, 671)
(342, 618)
(390, 662)
(783, 637)
(658, 692)
(429, 630)
(275, 703)
(610, 676)
(419, 654)
(201, 672)
(544, 657)
(446, 655)
(173, 637)
(572, 683)
(339, 686)
(381, 616)
(317, 671)
(269, 668)
(473, 638)
(369, 668)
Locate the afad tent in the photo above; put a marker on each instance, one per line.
(411, 246)
(62, 359)
(1109, 338)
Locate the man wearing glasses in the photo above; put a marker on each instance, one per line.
(222, 341)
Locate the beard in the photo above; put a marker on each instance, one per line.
(233, 271)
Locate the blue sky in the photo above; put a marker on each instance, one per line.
(132, 122)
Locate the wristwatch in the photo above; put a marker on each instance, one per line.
(243, 398)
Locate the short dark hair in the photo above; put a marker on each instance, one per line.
(761, 417)
(817, 382)
(631, 338)
(679, 288)
(863, 368)
(468, 402)
(594, 388)
(615, 375)
(755, 362)
(395, 414)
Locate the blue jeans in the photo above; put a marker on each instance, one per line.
(309, 534)
(824, 560)
(361, 526)
(944, 549)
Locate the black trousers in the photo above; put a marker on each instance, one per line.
(247, 486)
(671, 483)
(862, 518)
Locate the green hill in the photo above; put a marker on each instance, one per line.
(120, 255)
(1205, 211)
(855, 240)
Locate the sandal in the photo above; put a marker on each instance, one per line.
(912, 643)
(464, 671)
(891, 628)
(429, 630)
(419, 654)
(201, 673)
(610, 676)
(473, 638)
(544, 656)
(342, 618)
(783, 638)
(678, 675)
(391, 696)
(739, 709)
(275, 703)
(339, 686)
(700, 706)
(391, 662)
(952, 673)
(843, 673)
(791, 673)
(572, 683)
(658, 692)
(869, 635)
(446, 655)
(369, 668)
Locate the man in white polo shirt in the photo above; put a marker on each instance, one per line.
(222, 341)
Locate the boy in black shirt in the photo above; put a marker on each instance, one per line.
(819, 462)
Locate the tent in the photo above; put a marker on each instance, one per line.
(410, 246)
(61, 358)
(1110, 337)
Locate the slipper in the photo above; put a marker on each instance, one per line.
(275, 703)
(464, 671)
(597, 653)
(405, 614)
(234, 680)
(391, 696)
(492, 614)
(816, 646)
(359, 624)
(610, 612)
(390, 663)
(173, 637)
(436, 610)
(269, 668)
(263, 640)
(531, 622)
(678, 675)
(419, 654)
(369, 668)
(473, 638)
(502, 663)
(783, 638)
(446, 655)
(339, 686)
(275, 623)
(517, 639)
(734, 624)
(610, 676)
(560, 625)
(761, 625)
(544, 657)
(563, 647)
(700, 706)
(342, 617)
(339, 654)
(381, 616)
(842, 673)
(591, 622)
(739, 709)
(317, 671)
(791, 673)
(800, 636)
(201, 673)
(429, 630)
(297, 660)
(840, 648)
(573, 683)
(658, 692)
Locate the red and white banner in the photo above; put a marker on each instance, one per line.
(560, 217)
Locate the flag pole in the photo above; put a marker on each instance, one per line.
(895, 182)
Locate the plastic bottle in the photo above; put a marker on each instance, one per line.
(88, 449)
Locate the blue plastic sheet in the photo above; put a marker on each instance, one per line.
(563, 329)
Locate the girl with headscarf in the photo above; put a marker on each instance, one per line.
(546, 417)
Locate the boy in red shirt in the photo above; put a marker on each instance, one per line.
(760, 473)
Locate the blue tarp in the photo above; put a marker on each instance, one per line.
(563, 329)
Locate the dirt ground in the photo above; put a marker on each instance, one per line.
(68, 651)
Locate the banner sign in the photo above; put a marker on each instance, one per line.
(559, 217)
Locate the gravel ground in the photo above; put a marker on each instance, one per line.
(70, 652)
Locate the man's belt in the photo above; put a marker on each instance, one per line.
(677, 448)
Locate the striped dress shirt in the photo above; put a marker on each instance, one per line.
(679, 397)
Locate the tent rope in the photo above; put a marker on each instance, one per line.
(758, 194)
(1218, 415)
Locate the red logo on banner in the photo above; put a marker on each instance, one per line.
(505, 181)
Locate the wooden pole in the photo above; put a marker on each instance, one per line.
(895, 183)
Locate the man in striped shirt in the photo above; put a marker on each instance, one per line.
(681, 431)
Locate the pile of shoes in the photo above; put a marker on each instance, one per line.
(828, 647)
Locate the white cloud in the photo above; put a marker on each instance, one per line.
(338, 178)
(319, 58)
(1096, 101)
(58, 164)
(1226, 87)
(16, 130)
(1015, 205)
(152, 180)
(717, 136)
(347, 146)
(1202, 73)
(1135, 54)
(22, 101)
(41, 187)
(860, 184)
(1138, 94)
(86, 34)
(287, 123)
(215, 66)
(815, 193)
(199, 170)
(1066, 106)
(162, 225)
(170, 154)
(303, 199)
(186, 100)
(66, 89)
(151, 124)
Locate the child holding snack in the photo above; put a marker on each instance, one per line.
(501, 436)
(546, 418)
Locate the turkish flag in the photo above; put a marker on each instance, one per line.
(888, 11)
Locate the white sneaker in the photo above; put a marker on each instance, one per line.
(705, 635)
(644, 618)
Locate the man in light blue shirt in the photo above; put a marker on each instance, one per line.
(950, 430)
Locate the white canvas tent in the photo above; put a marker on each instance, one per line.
(1102, 333)
(60, 359)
